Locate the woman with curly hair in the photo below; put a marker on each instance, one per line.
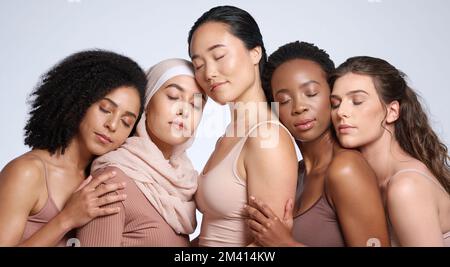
(85, 106)
(160, 207)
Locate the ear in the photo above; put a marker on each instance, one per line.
(256, 54)
(393, 111)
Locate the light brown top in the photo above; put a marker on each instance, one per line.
(138, 224)
(38, 220)
(318, 226)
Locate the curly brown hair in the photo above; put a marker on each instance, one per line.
(412, 129)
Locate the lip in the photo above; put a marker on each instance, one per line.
(345, 128)
(215, 86)
(104, 139)
(178, 124)
(305, 125)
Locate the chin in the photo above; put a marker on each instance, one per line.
(347, 143)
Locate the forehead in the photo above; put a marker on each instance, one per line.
(186, 82)
(353, 81)
(124, 96)
(209, 34)
(298, 69)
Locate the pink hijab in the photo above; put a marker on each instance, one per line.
(169, 185)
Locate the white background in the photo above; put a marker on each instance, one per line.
(413, 35)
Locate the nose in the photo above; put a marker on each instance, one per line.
(183, 110)
(111, 123)
(210, 72)
(299, 107)
(342, 111)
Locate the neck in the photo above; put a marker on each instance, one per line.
(384, 156)
(250, 107)
(317, 153)
(76, 156)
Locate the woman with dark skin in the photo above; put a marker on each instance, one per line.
(296, 77)
(85, 106)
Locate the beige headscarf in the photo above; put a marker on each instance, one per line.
(169, 185)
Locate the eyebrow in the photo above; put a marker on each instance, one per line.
(174, 85)
(127, 113)
(351, 93)
(209, 49)
(301, 85)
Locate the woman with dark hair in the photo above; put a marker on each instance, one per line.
(85, 106)
(375, 111)
(160, 207)
(256, 155)
(331, 179)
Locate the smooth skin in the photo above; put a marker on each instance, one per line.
(301, 88)
(23, 187)
(229, 73)
(419, 209)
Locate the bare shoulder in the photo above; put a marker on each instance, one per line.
(407, 187)
(20, 181)
(348, 169)
(24, 171)
(270, 136)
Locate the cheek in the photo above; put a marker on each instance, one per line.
(285, 114)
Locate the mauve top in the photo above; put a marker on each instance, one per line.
(318, 226)
(38, 220)
(138, 224)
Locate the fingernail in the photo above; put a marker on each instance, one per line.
(124, 183)
(113, 172)
(124, 196)
(245, 206)
(252, 197)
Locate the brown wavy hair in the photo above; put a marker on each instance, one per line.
(412, 129)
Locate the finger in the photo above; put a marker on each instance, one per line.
(256, 215)
(104, 189)
(255, 226)
(262, 207)
(109, 199)
(288, 210)
(106, 211)
(256, 235)
(101, 178)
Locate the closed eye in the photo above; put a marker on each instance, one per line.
(104, 110)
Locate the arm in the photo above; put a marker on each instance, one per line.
(18, 196)
(271, 169)
(106, 231)
(267, 229)
(351, 187)
(413, 211)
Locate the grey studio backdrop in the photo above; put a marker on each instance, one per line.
(413, 35)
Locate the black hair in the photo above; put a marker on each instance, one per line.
(290, 51)
(241, 24)
(63, 95)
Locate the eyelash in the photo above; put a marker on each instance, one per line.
(126, 124)
(172, 98)
(356, 103)
(312, 95)
(104, 110)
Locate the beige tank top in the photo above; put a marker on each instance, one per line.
(38, 220)
(221, 196)
(394, 240)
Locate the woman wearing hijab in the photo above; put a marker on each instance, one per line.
(159, 209)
